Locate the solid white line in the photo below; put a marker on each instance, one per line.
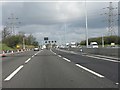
(106, 57)
(102, 58)
(93, 56)
(101, 76)
(66, 59)
(27, 60)
(59, 56)
(14, 73)
(71, 52)
(74, 53)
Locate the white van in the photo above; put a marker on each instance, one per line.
(73, 45)
(93, 45)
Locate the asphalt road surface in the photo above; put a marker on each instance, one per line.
(104, 66)
(57, 69)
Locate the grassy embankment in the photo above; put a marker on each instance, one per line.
(5, 47)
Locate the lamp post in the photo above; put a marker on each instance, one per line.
(102, 41)
(86, 25)
(24, 43)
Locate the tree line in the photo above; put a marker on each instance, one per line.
(12, 40)
(107, 40)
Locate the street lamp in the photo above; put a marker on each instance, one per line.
(24, 43)
(102, 40)
(86, 25)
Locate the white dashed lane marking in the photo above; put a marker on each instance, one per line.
(117, 83)
(27, 60)
(18, 69)
(14, 73)
(33, 56)
(59, 56)
(66, 59)
(97, 74)
(111, 59)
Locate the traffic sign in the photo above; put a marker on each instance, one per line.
(45, 38)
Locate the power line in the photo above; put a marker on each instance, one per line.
(12, 23)
(110, 18)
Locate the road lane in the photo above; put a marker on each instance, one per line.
(10, 63)
(48, 70)
(106, 68)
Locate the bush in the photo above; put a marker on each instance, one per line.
(107, 40)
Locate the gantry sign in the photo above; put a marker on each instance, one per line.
(45, 39)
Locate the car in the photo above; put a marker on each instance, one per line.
(36, 49)
(93, 45)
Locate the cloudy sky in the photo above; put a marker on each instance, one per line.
(61, 21)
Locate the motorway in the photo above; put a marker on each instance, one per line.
(57, 69)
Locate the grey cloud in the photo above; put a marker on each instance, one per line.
(42, 13)
(48, 19)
